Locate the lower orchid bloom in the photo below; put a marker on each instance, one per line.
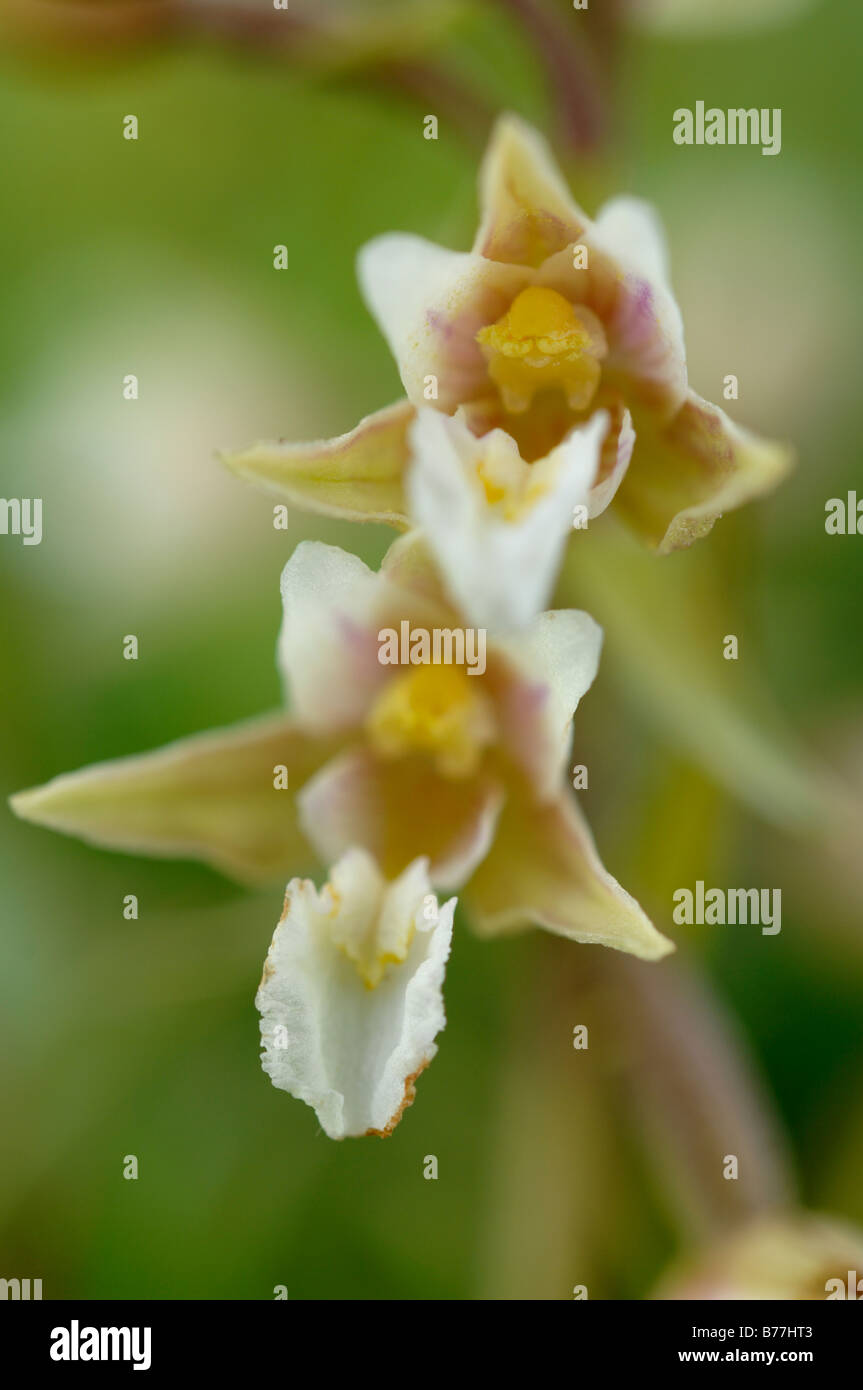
(548, 318)
(408, 737)
(352, 994)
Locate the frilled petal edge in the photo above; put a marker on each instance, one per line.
(351, 997)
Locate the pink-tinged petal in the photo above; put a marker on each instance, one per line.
(543, 870)
(537, 688)
(646, 352)
(357, 476)
(328, 649)
(616, 454)
(211, 797)
(644, 323)
(630, 232)
(527, 211)
(685, 474)
(430, 303)
(643, 326)
(335, 608)
(400, 811)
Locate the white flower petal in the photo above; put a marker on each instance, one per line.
(351, 999)
(557, 660)
(334, 609)
(430, 303)
(642, 319)
(500, 572)
(630, 230)
(327, 659)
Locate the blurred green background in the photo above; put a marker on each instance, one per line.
(118, 1037)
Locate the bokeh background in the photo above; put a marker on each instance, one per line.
(156, 257)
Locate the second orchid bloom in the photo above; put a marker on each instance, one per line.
(467, 770)
(403, 774)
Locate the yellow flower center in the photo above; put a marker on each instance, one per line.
(433, 709)
(494, 492)
(511, 498)
(382, 939)
(544, 341)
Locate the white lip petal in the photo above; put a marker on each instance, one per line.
(500, 572)
(573, 468)
(448, 505)
(352, 1049)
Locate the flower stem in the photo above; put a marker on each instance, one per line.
(686, 1075)
(663, 1061)
(578, 71)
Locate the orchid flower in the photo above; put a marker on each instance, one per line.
(463, 765)
(351, 997)
(550, 317)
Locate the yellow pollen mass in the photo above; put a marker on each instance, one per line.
(371, 954)
(544, 341)
(512, 499)
(432, 709)
(494, 492)
(368, 935)
(537, 312)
